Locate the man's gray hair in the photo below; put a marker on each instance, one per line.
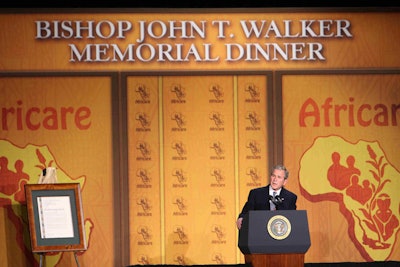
(282, 168)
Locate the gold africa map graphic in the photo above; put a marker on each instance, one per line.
(361, 179)
(20, 166)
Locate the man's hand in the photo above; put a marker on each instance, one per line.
(239, 223)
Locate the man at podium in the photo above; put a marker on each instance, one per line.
(271, 197)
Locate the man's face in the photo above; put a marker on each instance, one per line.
(278, 179)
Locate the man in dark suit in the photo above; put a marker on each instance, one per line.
(271, 197)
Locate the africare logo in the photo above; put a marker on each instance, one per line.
(359, 177)
(20, 166)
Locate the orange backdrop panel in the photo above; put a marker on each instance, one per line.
(253, 150)
(200, 146)
(344, 114)
(145, 197)
(202, 171)
(371, 34)
(64, 122)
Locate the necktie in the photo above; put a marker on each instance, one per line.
(272, 205)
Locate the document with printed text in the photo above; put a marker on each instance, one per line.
(55, 217)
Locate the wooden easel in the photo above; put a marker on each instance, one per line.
(43, 201)
(42, 255)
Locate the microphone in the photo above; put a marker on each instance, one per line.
(277, 200)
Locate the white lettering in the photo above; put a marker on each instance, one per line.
(221, 27)
(286, 28)
(274, 52)
(172, 29)
(67, 29)
(144, 52)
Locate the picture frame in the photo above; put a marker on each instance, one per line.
(55, 217)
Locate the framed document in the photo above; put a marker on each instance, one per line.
(55, 217)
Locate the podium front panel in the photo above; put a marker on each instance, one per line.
(258, 235)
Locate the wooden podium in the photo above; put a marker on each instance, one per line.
(275, 238)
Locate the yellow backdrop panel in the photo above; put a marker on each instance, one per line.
(210, 149)
(341, 142)
(64, 122)
(26, 46)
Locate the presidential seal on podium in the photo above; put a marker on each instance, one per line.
(279, 227)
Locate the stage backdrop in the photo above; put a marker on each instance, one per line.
(211, 147)
(168, 119)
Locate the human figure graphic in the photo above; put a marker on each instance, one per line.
(366, 192)
(361, 193)
(384, 217)
(6, 186)
(13, 182)
(338, 175)
(22, 179)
